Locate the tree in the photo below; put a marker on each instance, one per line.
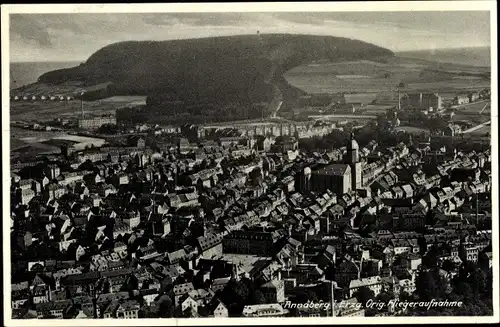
(448, 265)
(256, 297)
(427, 285)
(108, 129)
(384, 297)
(166, 307)
(478, 280)
(430, 258)
(303, 296)
(363, 294)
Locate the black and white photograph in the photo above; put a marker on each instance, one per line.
(324, 162)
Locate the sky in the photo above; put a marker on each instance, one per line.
(74, 37)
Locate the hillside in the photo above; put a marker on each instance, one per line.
(24, 73)
(474, 56)
(215, 71)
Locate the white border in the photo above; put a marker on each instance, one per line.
(245, 7)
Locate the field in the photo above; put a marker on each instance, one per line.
(474, 112)
(48, 110)
(482, 107)
(481, 131)
(367, 80)
(67, 88)
(131, 100)
(476, 56)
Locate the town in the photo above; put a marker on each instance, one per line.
(307, 163)
(237, 220)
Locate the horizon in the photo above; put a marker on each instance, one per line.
(395, 52)
(64, 37)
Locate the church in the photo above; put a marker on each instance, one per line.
(342, 177)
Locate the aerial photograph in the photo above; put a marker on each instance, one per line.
(250, 164)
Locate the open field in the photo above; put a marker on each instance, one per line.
(65, 89)
(383, 77)
(481, 131)
(126, 100)
(48, 110)
(474, 108)
(20, 137)
(475, 56)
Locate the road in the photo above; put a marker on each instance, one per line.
(462, 106)
(343, 116)
(472, 129)
(485, 106)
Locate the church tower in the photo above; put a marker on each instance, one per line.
(352, 159)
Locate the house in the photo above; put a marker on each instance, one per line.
(373, 283)
(187, 302)
(182, 289)
(149, 295)
(54, 310)
(461, 99)
(40, 294)
(219, 284)
(274, 291)
(346, 271)
(129, 309)
(210, 245)
(220, 310)
(201, 296)
(19, 298)
(264, 310)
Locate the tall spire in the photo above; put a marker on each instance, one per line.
(401, 86)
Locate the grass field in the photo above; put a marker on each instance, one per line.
(382, 78)
(475, 107)
(481, 131)
(48, 110)
(126, 100)
(20, 137)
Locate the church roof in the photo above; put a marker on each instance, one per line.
(334, 169)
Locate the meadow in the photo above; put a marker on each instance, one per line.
(48, 110)
(382, 78)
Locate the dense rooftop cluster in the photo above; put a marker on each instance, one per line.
(214, 230)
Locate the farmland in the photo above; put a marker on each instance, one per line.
(47, 110)
(367, 79)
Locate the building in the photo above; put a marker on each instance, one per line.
(274, 291)
(335, 177)
(220, 310)
(452, 130)
(285, 143)
(461, 99)
(352, 159)
(473, 96)
(469, 252)
(373, 283)
(340, 178)
(248, 242)
(96, 122)
(264, 310)
(422, 101)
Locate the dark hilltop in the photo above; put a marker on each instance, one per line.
(215, 71)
